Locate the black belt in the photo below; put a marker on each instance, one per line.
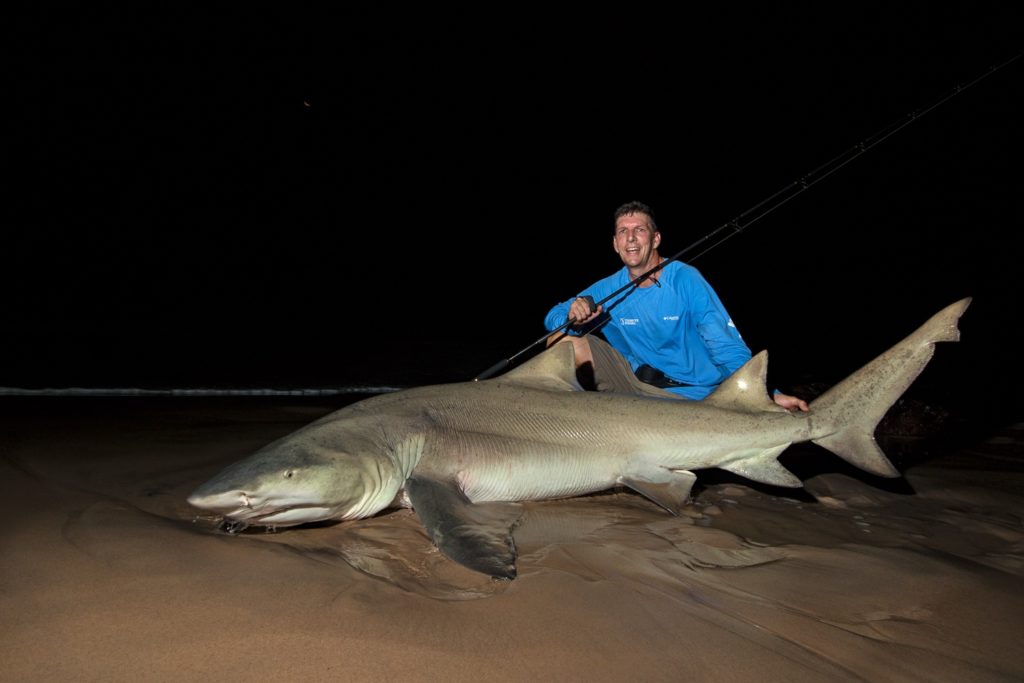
(655, 377)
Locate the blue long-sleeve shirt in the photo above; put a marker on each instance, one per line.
(679, 327)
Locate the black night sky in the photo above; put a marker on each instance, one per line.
(301, 200)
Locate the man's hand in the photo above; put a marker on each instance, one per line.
(791, 402)
(581, 311)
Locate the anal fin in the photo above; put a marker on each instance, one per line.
(762, 466)
(668, 488)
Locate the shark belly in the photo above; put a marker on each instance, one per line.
(499, 467)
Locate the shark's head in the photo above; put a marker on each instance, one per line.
(292, 484)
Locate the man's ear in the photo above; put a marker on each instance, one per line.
(657, 239)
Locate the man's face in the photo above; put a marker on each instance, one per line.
(635, 241)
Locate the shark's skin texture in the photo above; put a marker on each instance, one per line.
(463, 455)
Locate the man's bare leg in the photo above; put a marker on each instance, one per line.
(580, 346)
(584, 358)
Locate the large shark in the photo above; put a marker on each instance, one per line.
(464, 455)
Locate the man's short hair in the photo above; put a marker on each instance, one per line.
(636, 207)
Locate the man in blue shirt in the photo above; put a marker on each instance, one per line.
(672, 328)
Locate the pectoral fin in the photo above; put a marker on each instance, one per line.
(476, 535)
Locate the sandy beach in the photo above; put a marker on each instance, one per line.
(107, 574)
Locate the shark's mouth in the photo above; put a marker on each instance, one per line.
(284, 516)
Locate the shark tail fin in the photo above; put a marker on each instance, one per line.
(846, 415)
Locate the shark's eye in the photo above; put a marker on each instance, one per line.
(288, 474)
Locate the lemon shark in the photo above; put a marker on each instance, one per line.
(465, 455)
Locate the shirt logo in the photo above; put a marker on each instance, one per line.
(671, 317)
(629, 321)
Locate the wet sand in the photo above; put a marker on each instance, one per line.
(107, 574)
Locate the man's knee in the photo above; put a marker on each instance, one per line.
(581, 349)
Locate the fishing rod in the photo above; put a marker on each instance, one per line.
(765, 206)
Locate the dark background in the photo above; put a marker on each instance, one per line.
(310, 199)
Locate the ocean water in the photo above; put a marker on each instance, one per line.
(196, 391)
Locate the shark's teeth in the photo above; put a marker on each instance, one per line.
(232, 526)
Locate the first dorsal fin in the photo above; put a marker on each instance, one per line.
(554, 368)
(745, 390)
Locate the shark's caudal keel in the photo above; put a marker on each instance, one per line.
(463, 455)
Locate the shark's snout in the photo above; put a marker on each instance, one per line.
(224, 502)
